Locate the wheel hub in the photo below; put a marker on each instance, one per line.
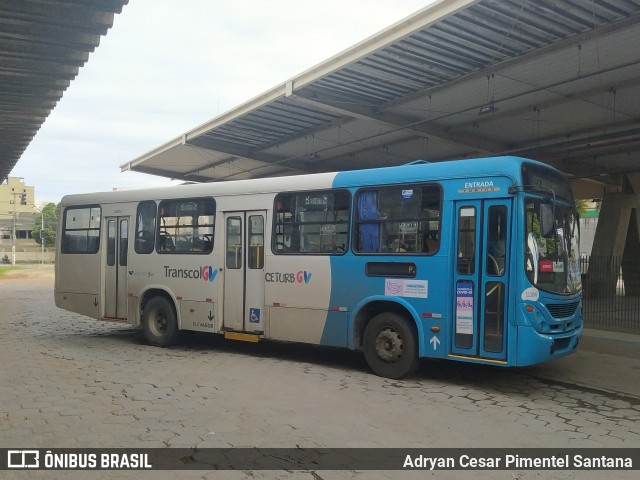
(159, 323)
(389, 345)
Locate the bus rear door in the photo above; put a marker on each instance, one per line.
(117, 232)
(481, 267)
(243, 299)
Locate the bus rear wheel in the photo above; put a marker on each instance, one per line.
(160, 323)
(390, 346)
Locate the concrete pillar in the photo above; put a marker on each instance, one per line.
(616, 244)
(631, 253)
(631, 256)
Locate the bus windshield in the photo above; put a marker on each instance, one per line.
(552, 246)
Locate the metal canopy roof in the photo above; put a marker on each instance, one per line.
(43, 44)
(554, 81)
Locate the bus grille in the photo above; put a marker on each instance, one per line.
(562, 310)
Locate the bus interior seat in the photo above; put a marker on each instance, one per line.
(430, 244)
(165, 242)
(197, 244)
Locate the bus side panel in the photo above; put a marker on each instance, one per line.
(425, 297)
(192, 281)
(78, 283)
(297, 293)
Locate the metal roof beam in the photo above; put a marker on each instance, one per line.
(579, 137)
(590, 166)
(418, 127)
(574, 95)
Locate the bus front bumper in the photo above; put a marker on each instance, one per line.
(534, 347)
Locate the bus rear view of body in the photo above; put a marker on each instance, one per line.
(471, 261)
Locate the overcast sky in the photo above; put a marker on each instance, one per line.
(167, 66)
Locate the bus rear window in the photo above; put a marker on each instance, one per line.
(81, 230)
(398, 219)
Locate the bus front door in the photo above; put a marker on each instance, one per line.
(115, 298)
(243, 300)
(481, 267)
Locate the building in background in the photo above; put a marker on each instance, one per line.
(18, 213)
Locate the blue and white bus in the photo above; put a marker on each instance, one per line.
(472, 260)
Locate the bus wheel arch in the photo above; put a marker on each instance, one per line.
(159, 318)
(387, 333)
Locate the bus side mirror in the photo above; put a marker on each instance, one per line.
(547, 215)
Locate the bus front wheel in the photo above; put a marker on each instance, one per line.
(159, 322)
(390, 346)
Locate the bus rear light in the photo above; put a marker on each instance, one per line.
(529, 308)
(435, 329)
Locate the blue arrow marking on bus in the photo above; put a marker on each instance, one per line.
(435, 342)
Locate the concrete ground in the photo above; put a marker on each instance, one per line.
(70, 381)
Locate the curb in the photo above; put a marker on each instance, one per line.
(611, 343)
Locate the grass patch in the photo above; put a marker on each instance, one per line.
(4, 270)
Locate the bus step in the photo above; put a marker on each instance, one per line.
(243, 337)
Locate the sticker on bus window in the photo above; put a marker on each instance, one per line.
(546, 266)
(464, 308)
(407, 194)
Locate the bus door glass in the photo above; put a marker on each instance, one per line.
(480, 278)
(243, 307)
(117, 242)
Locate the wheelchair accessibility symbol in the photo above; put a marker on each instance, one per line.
(254, 315)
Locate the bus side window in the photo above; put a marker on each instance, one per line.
(466, 240)
(496, 237)
(186, 226)
(145, 227)
(81, 229)
(399, 219)
(315, 222)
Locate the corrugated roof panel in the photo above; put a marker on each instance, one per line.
(42, 47)
(346, 84)
(466, 42)
(270, 124)
(444, 57)
(410, 66)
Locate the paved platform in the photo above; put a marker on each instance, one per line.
(69, 381)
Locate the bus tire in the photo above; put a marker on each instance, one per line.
(390, 346)
(160, 323)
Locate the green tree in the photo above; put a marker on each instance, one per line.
(49, 214)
